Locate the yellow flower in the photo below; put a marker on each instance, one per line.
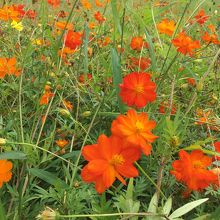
(17, 25)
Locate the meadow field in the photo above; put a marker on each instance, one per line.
(110, 109)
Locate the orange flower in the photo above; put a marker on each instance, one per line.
(86, 4)
(164, 106)
(46, 97)
(62, 25)
(185, 44)
(62, 143)
(166, 27)
(201, 18)
(191, 169)
(109, 159)
(68, 105)
(191, 81)
(210, 38)
(137, 89)
(54, 3)
(9, 12)
(85, 77)
(137, 43)
(217, 149)
(98, 16)
(8, 66)
(135, 128)
(142, 62)
(5, 171)
(73, 39)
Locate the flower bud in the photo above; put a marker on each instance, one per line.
(86, 113)
(2, 141)
(64, 112)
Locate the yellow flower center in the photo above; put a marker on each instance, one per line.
(197, 164)
(117, 159)
(139, 89)
(139, 126)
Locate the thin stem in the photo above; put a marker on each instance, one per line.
(150, 179)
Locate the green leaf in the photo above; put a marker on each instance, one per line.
(167, 207)
(116, 15)
(13, 155)
(187, 208)
(153, 204)
(48, 177)
(130, 189)
(151, 51)
(117, 77)
(2, 212)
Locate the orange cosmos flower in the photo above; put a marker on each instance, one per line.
(135, 128)
(86, 4)
(8, 66)
(185, 44)
(54, 3)
(73, 39)
(164, 107)
(62, 25)
(191, 81)
(166, 27)
(210, 38)
(109, 159)
(98, 16)
(201, 18)
(142, 62)
(68, 105)
(62, 143)
(217, 149)
(191, 169)
(137, 89)
(137, 43)
(9, 12)
(46, 97)
(5, 171)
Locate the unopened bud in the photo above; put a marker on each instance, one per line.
(86, 114)
(2, 141)
(64, 112)
(199, 86)
(47, 214)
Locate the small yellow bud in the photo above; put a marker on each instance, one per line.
(199, 86)
(86, 114)
(2, 141)
(64, 112)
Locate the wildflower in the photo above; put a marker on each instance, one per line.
(166, 27)
(86, 4)
(135, 128)
(9, 12)
(210, 38)
(142, 62)
(85, 77)
(191, 81)
(191, 169)
(73, 39)
(164, 106)
(201, 18)
(5, 171)
(46, 97)
(63, 25)
(137, 89)
(61, 143)
(54, 3)
(185, 44)
(68, 105)
(109, 159)
(17, 25)
(137, 43)
(8, 66)
(98, 16)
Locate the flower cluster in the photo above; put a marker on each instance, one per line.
(113, 157)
